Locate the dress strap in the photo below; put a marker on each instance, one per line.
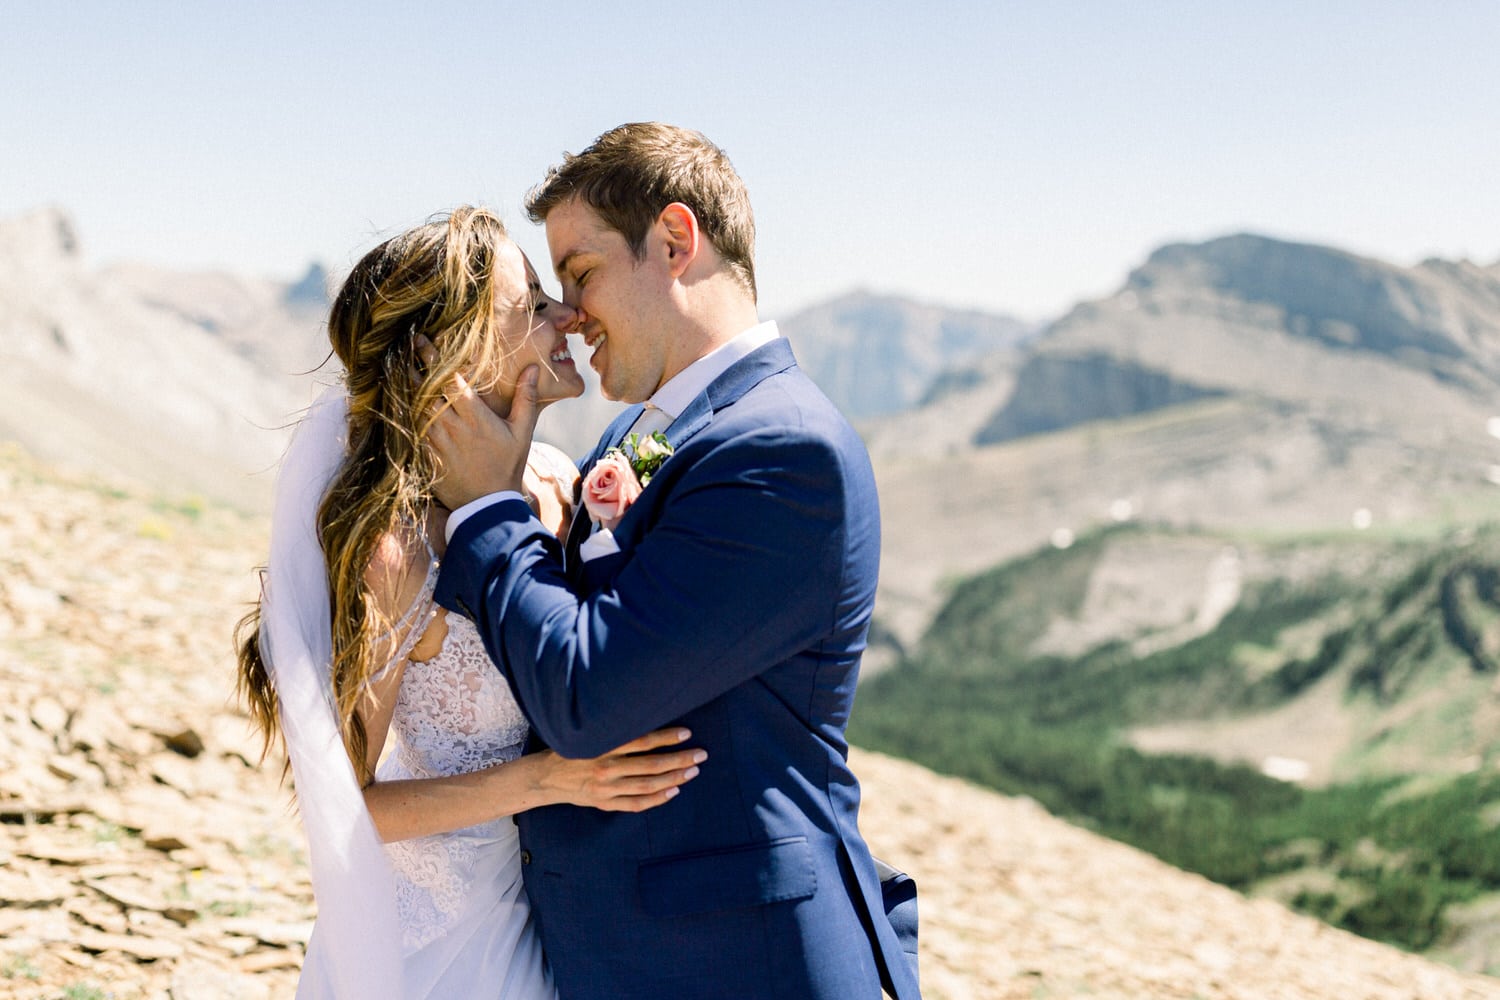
(418, 615)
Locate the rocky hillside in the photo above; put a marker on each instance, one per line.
(144, 854)
(176, 379)
(1242, 383)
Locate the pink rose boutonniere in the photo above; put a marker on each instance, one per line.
(615, 481)
(610, 488)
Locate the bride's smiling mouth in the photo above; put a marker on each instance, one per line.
(561, 355)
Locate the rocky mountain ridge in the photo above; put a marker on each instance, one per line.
(876, 355)
(1246, 315)
(1244, 383)
(190, 380)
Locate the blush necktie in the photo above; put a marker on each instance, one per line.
(652, 419)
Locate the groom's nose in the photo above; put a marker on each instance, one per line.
(570, 319)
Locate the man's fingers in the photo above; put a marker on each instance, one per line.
(425, 350)
(462, 389)
(523, 409)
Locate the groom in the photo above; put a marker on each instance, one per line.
(733, 599)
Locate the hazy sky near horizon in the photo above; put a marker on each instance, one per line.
(1007, 156)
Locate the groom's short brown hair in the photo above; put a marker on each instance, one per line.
(632, 172)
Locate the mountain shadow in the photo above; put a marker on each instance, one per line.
(1057, 392)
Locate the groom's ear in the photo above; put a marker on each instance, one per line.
(680, 236)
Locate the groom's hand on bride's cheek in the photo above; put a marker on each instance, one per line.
(475, 452)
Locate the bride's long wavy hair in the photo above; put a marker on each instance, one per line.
(437, 280)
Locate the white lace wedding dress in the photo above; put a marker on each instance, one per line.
(465, 921)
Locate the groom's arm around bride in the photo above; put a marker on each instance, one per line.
(736, 603)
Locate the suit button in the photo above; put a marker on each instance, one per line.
(525, 857)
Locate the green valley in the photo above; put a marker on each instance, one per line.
(1362, 666)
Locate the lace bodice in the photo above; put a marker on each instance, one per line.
(454, 714)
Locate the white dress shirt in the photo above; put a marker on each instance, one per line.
(671, 399)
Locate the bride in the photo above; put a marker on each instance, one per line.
(414, 856)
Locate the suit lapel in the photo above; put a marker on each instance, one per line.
(742, 376)
(698, 415)
(728, 388)
(577, 531)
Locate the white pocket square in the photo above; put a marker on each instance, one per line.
(600, 543)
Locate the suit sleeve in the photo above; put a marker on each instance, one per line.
(741, 571)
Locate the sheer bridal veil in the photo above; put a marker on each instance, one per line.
(357, 935)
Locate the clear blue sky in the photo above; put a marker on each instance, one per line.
(1010, 156)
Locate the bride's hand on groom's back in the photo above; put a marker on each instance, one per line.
(637, 776)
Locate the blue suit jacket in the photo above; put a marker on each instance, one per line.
(738, 607)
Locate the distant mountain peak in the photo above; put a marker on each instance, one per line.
(1225, 258)
(1325, 294)
(46, 232)
(309, 290)
(876, 354)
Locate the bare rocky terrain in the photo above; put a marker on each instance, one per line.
(145, 853)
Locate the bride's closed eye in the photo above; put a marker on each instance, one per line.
(538, 297)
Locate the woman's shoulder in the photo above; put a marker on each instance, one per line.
(551, 461)
(398, 567)
(552, 479)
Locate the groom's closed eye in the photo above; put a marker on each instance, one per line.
(571, 271)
